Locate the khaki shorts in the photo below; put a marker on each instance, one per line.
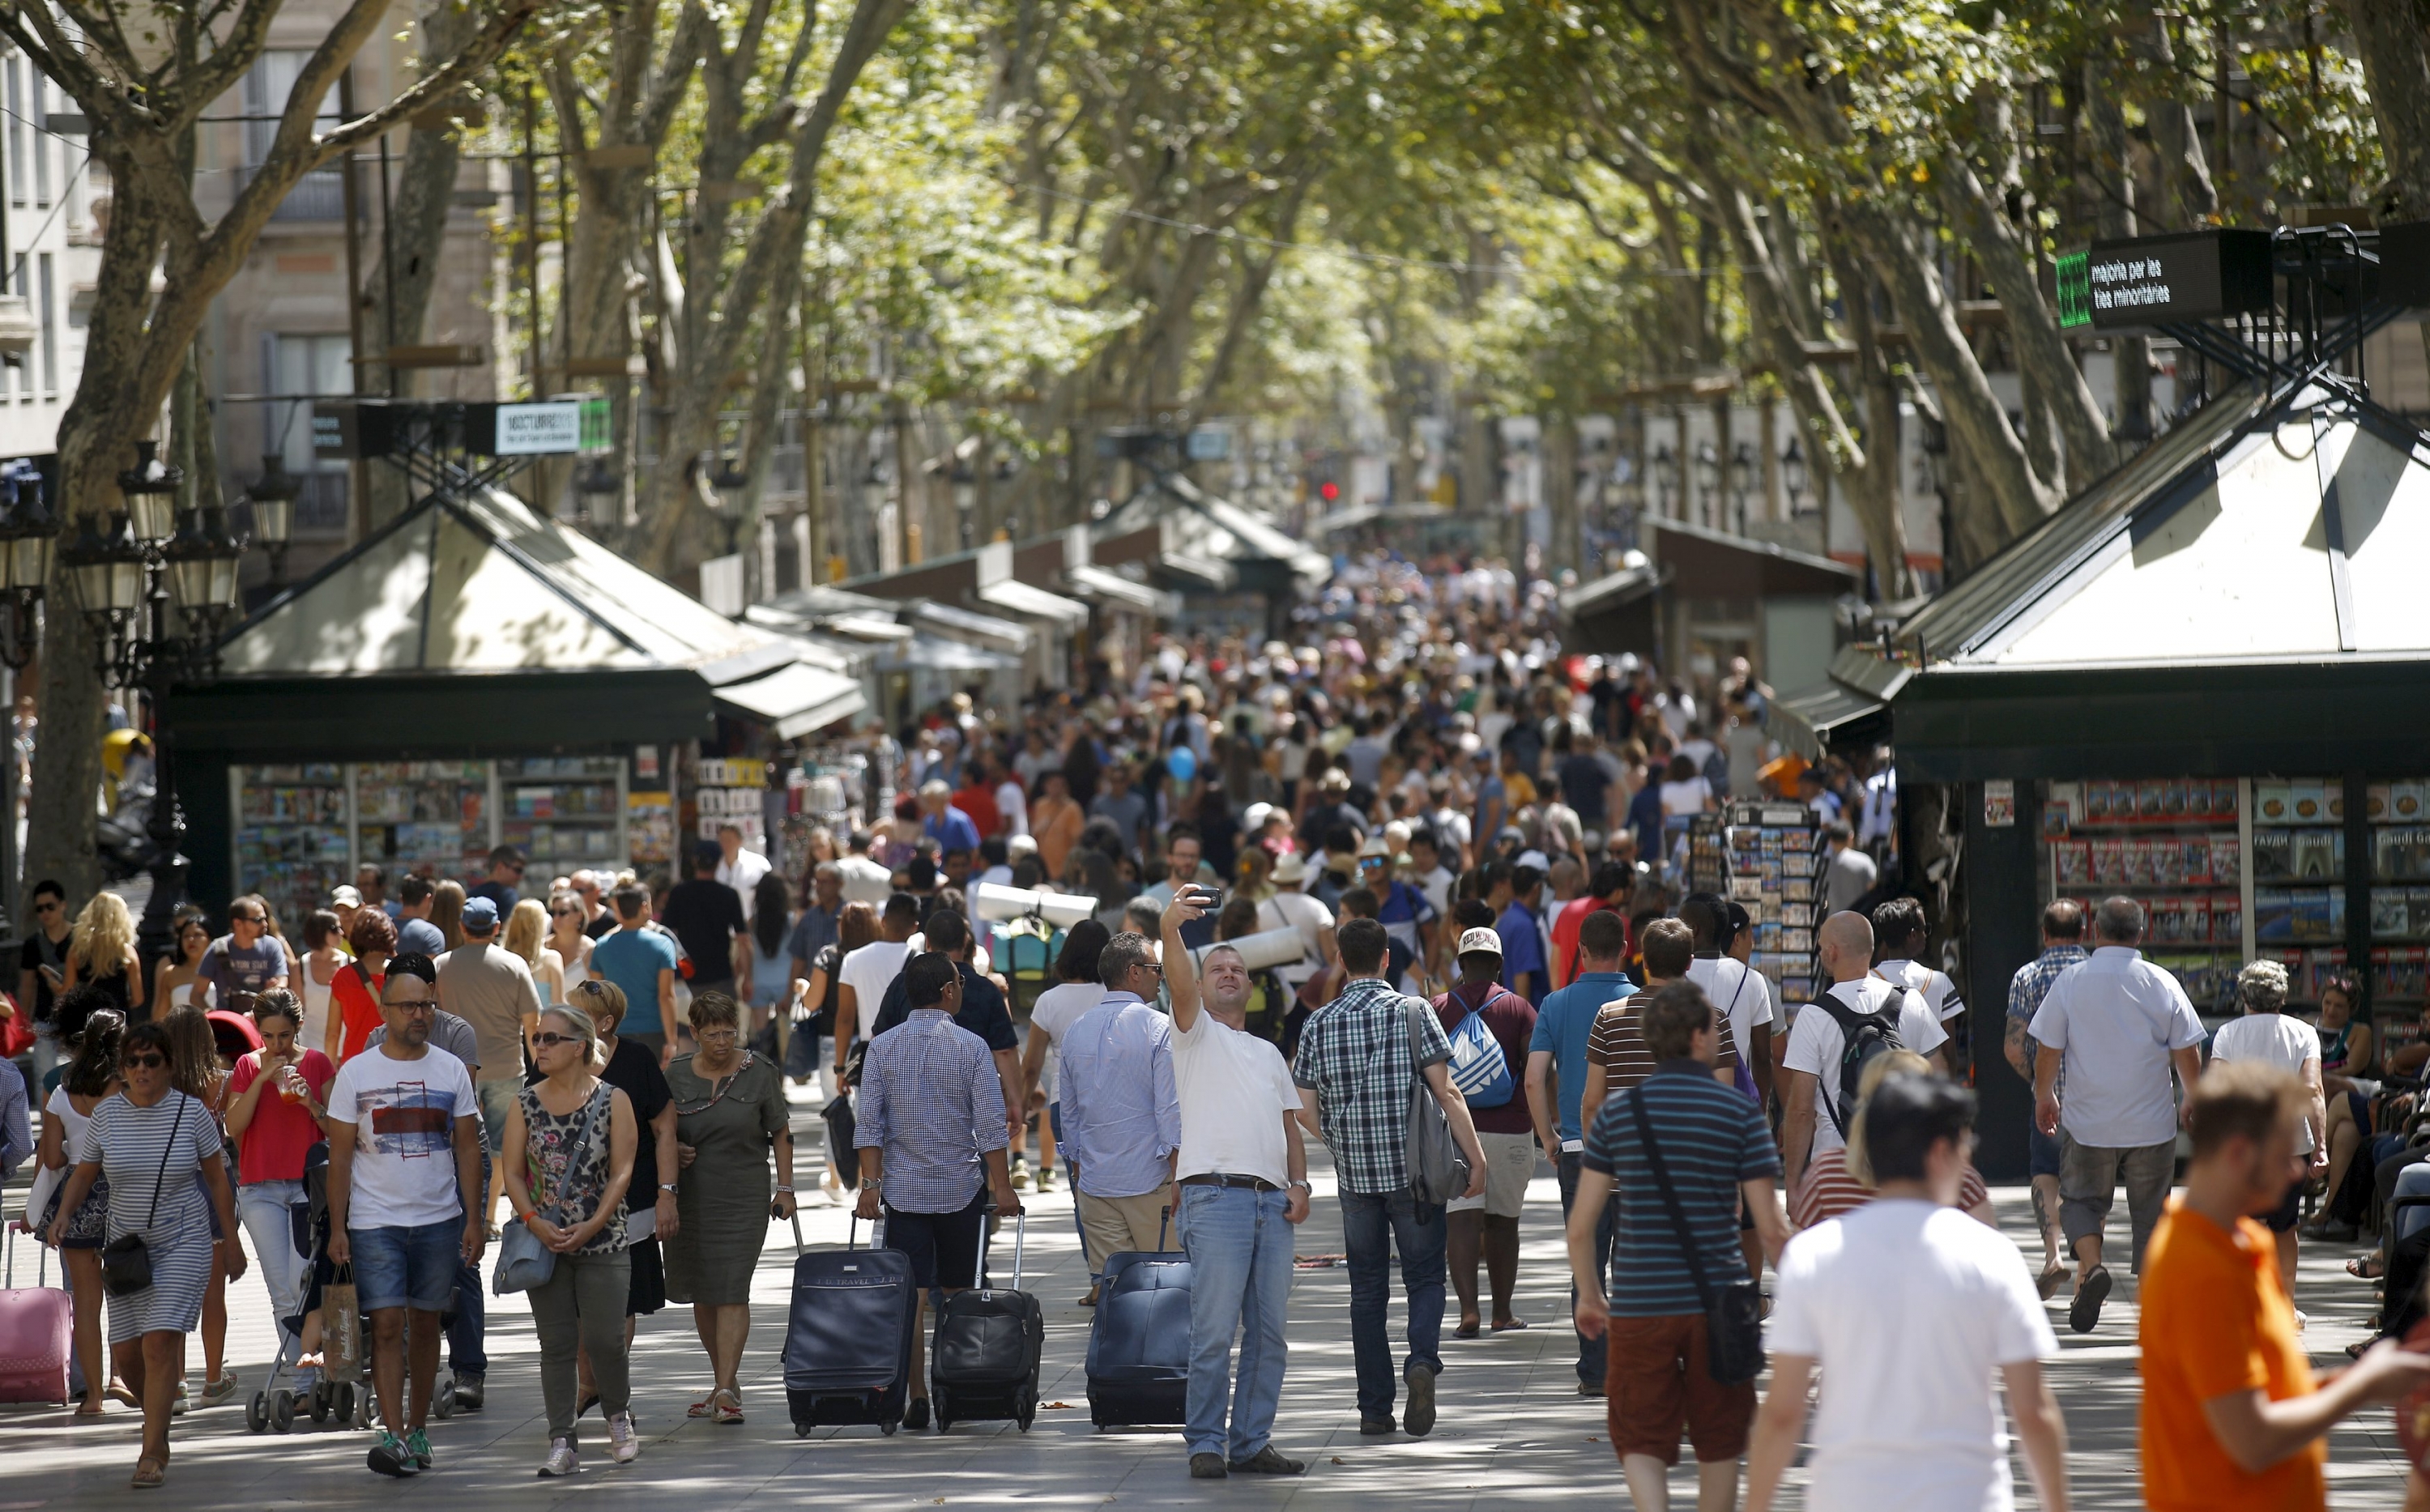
(1509, 1165)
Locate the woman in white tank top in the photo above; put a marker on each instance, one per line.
(322, 961)
(566, 918)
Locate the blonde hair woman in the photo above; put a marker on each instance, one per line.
(101, 953)
(447, 912)
(1839, 1181)
(526, 934)
(567, 918)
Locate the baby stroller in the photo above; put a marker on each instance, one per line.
(344, 1392)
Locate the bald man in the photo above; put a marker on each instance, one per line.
(1810, 1098)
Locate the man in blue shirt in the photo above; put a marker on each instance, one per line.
(1121, 1109)
(948, 826)
(642, 962)
(1523, 939)
(1556, 1084)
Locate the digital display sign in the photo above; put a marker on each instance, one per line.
(2164, 280)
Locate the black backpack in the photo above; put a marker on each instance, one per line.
(1863, 1037)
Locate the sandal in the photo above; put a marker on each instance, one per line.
(149, 1473)
(729, 1408)
(118, 1392)
(2367, 1267)
(2357, 1351)
(2047, 1283)
(705, 1407)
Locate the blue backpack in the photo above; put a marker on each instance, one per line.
(1479, 1070)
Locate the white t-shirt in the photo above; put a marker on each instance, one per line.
(1234, 1090)
(1908, 1308)
(742, 875)
(1684, 799)
(403, 1113)
(2274, 1040)
(1815, 1044)
(2115, 1018)
(1014, 806)
(1056, 1009)
(864, 880)
(869, 972)
(1737, 990)
(1939, 992)
(1287, 909)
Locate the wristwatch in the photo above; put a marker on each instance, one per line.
(1304, 1187)
(667, 1187)
(784, 1192)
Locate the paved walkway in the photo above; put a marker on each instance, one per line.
(1513, 1433)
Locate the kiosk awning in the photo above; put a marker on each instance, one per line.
(1116, 588)
(793, 700)
(1023, 598)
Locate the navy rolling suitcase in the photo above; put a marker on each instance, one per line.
(1139, 1345)
(987, 1346)
(848, 1339)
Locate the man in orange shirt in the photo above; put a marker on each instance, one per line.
(2232, 1416)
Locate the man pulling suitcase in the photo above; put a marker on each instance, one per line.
(931, 1136)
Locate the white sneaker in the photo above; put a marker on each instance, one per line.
(184, 1400)
(623, 1444)
(563, 1459)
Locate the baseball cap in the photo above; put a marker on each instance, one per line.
(1535, 858)
(481, 914)
(346, 896)
(1480, 941)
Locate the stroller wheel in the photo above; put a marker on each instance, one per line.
(319, 1406)
(256, 1414)
(282, 1410)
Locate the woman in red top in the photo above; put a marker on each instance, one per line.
(273, 1107)
(354, 992)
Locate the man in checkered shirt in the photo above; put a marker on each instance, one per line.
(2062, 947)
(1355, 1069)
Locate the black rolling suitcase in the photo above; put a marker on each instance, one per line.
(987, 1345)
(848, 1339)
(1138, 1346)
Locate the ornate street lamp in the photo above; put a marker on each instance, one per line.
(1742, 478)
(1708, 476)
(273, 499)
(1792, 473)
(1665, 475)
(29, 534)
(150, 488)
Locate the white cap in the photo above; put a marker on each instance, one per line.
(1253, 818)
(1535, 858)
(1481, 942)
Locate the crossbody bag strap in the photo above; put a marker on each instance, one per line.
(176, 1125)
(581, 1140)
(1688, 1246)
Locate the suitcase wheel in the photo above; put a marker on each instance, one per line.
(1028, 1413)
(800, 1430)
(282, 1411)
(257, 1413)
(888, 1427)
(944, 1409)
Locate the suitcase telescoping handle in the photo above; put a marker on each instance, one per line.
(1020, 1233)
(1163, 1222)
(797, 1232)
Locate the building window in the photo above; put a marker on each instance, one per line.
(16, 130)
(302, 368)
(50, 330)
(320, 194)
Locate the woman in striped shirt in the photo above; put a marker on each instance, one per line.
(1837, 1180)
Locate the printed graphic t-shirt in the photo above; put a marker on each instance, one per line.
(403, 1113)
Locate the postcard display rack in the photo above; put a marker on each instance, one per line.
(2177, 847)
(1773, 858)
(304, 828)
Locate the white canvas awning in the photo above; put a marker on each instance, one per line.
(794, 700)
(1116, 588)
(1023, 598)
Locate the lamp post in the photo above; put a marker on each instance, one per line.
(271, 499)
(1709, 477)
(1666, 477)
(965, 483)
(1792, 473)
(149, 557)
(29, 534)
(1742, 468)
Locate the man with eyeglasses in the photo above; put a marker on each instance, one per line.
(248, 960)
(1122, 1108)
(42, 967)
(404, 1147)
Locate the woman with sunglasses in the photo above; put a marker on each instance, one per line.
(729, 1112)
(161, 1150)
(274, 1101)
(567, 1155)
(567, 918)
(632, 1068)
(90, 1078)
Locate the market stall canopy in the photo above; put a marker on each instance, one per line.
(1615, 612)
(481, 589)
(997, 585)
(1848, 709)
(794, 700)
(2250, 580)
(1201, 527)
(1096, 582)
(971, 627)
(1703, 563)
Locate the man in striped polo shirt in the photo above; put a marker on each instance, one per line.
(1715, 1150)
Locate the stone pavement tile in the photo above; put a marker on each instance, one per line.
(1513, 1433)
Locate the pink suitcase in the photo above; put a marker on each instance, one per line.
(35, 1328)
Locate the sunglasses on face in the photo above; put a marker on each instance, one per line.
(151, 1062)
(410, 1004)
(565, 913)
(545, 1041)
(46, 907)
(248, 919)
(716, 1037)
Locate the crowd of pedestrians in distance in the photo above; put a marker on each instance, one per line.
(1391, 916)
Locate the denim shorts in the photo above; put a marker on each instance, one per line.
(406, 1267)
(2041, 1152)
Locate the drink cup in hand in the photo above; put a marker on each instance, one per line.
(290, 1084)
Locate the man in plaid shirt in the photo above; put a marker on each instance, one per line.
(2062, 947)
(1355, 1069)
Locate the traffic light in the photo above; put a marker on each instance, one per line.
(1328, 490)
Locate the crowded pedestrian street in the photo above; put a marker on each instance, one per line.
(1514, 1432)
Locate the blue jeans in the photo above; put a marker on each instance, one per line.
(465, 1330)
(1593, 1354)
(1371, 1226)
(1239, 1277)
(262, 1207)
